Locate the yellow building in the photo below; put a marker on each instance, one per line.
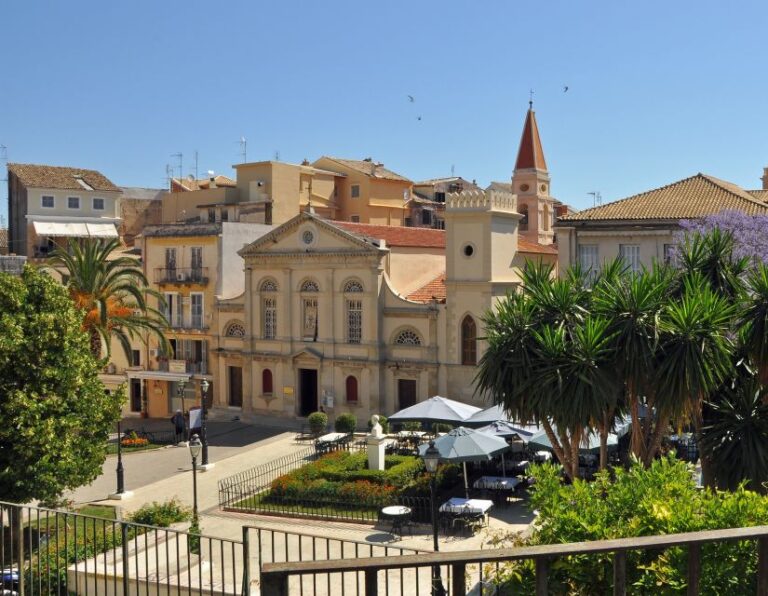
(368, 192)
(641, 228)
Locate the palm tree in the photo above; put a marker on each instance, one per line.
(112, 291)
(754, 319)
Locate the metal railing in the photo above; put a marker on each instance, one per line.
(457, 569)
(43, 551)
(181, 275)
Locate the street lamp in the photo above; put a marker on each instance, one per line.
(203, 415)
(194, 450)
(180, 389)
(120, 472)
(431, 459)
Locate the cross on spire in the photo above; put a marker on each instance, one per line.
(530, 100)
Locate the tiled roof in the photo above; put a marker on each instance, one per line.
(369, 168)
(41, 176)
(760, 195)
(693, 197)
(434, 290)
(175, 230)
(527, 246)
(530, 154)
(396, 235)
(203, 183)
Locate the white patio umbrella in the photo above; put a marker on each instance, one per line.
(505, 429)
(591, 445)
(465, 444)
(484, 417)
(435, 409)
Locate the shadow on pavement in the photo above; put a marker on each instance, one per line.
(221, 433)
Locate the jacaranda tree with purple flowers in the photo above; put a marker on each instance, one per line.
(750, 232)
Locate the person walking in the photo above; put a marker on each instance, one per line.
(178, 425)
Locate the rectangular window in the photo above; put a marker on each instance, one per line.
(135, 357)
(426, 218)
(98, 204)
(355, 190)
(309, 319)
(211, 215)
(196, 263)
(354, 218)
(172, 310)
(440, 197)
(588, 258)
(354, 321)
(270, 318)
(170, 262)
(225, 215)
(73, 202)
(630, 254)
(48, 202)
(196, 308)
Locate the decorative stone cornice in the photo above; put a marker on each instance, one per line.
(481, 200)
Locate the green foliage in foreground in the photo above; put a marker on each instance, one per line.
(162, 514)
(661, 499)
(54, 411)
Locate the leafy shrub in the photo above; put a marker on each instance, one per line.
(662, 499)
(318, 422)
(411, 425)
(383, 422)
(161, 514)
(345, 423)
(441, 427)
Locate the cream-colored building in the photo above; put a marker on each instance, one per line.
(49, 204)
(641, 228)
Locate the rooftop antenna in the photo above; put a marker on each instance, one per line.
(168, 175)
(244, 149)
(180, 157)
(4, 160)
(196, 159)
(277, 155)
(452, 169)
(597, 198)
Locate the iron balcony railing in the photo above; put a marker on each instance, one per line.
(177, 321)
(454, 568)
(181, 275)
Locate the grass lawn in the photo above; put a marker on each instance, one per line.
(262, 502)
(112, 448)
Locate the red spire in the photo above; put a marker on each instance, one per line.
(530, 154)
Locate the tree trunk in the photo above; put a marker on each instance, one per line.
(655, 440)
(638, 439)
(603, 429)
(560, 451)
(575, 440)
(95, 344)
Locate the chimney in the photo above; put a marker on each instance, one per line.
(211, 179)
(765, 178)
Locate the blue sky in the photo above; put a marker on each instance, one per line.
(658, 90)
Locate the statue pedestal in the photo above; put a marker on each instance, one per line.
(375, 452)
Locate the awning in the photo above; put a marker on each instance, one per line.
(49, 228)
(157, 375)
(102, 230)
(75, 230)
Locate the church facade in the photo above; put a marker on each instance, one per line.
(369, 319)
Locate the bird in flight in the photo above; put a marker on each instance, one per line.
(411, 98)
(418, 118)
(565, 89)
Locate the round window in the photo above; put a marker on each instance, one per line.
(524, 187)
(543, 188)
(307, 237)
(469, 250)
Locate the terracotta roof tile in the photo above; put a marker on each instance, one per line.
(369, 168)
(204, 183)
(42, 176)
(396, 235)
(434, 290)
(527, 246)
(760, 195)
(693, 197)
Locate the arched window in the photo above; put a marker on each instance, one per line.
(266, 382)
(310, 285)
(408, 337)
(524, 221)
(468, 341)
(235, 329)
(351, 390)
(353, 286)
(354, 321)
(268, 285)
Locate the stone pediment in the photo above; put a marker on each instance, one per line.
(309, 234)
(307, 354)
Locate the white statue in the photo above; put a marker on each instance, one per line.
(376, 430)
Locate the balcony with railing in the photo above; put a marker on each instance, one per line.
(194, 322)
(181, 275)
(192, 367)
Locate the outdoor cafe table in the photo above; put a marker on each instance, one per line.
(496, 483)
(460, 505)
(399, 515)
(331, 438)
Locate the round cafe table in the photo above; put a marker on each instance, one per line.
(399, 515)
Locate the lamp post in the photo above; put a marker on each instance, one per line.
(431, 459)
(194, 450)
(203, 415)
(180, 389)
(120, 471)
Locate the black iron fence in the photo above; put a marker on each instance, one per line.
(43, 551)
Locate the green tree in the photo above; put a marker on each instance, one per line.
(112, 291)
(55, 413)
